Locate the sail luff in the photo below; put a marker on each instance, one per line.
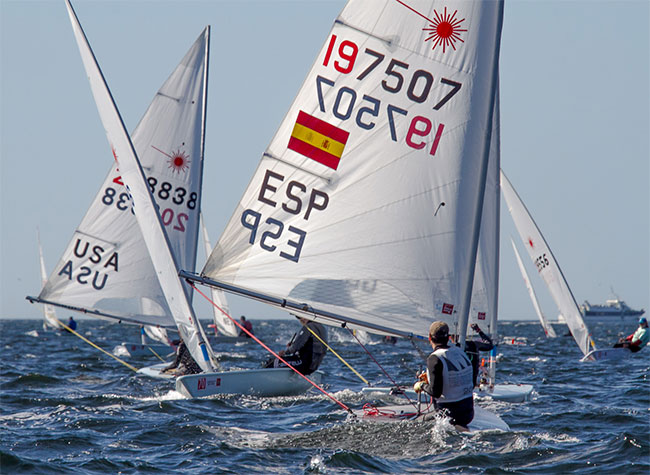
(466, 294)
(548, 267)
(144, 207)
(548, 329)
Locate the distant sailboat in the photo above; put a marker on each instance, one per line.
(50, 321)
(550, 271)
(365, 207)
(548, 329)
(106, 270)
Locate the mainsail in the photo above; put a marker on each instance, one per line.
(224, 325)
(150, 222)
(344, 215)
(106, 268)
(547, 266)
(548, 329)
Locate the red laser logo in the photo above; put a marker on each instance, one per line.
(444, 30)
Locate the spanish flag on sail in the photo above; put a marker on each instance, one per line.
(318, 140)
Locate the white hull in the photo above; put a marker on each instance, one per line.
(483, 419)
(228, 339)
(155, 371)
(138, 349)
(501, 392)
(607, 354)
(254, 382)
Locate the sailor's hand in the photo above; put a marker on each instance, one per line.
(423, 377)
(281, 353)
(417, 387)
(476, 328)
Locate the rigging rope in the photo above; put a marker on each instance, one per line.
(100, 349)
(339, 357)
(380, 366)
(270, 350)
(154, 352)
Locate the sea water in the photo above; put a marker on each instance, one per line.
(67, 408)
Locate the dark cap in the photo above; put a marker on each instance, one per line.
(439, 331)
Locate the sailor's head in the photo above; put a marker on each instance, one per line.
(643, 322)
(438, 332)
(242, 318)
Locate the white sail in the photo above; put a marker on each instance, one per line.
(106, 266)
(485, 291)
(49, 315)
(547, 266)
(344, 212)
(548, 329)
(225, 326)
(149, 221)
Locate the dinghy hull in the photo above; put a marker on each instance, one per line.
(483, 419)
(501, 392)
(256, 382)
(607, 354)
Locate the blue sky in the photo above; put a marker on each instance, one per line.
(575, 125)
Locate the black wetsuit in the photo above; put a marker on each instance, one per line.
(305, 352)
(472, 349)
(184, 361)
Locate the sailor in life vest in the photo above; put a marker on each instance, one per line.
(448, 377)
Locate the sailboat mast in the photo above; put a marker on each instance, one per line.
(466, 295)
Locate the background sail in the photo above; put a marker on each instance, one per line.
(546, 264)
(106, 266)
(224, 325)
(343, 212)
(149, 220)
(49, 315)
(548, 329)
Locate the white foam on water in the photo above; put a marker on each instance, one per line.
(561, 438)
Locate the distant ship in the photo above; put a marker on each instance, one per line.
(612, 308)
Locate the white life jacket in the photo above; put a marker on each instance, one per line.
(457, 381)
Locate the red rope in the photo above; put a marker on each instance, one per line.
(271, 351)
(370, 410)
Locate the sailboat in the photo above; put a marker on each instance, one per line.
(548, 329)
(366, 206)
(106, 270)
(50, 320)
(550, 271)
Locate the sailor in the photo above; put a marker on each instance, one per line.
(247, 325)
(183, 363)
(72, 324)
(473, 347)
(637, 340)
(448, 377)
(305, 351)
